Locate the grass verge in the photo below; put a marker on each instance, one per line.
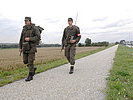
(11, 76)
(120, 81)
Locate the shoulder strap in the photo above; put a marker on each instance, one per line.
(33, 30)
(67, 34)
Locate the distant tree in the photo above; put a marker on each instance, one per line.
(123, 42)
(79, 44)
(100, 43)
(15, 45)
(88, 42)
(105, 43)
(116, 43)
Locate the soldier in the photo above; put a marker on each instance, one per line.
(71, 37)
(29, 36)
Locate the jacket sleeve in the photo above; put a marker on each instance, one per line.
(78, 35)
(37, 36)
(20, 41)
(64, 37)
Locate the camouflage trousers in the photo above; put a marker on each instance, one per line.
(28, 58)
(70, 51)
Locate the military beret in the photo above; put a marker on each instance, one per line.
(27, 18)
(70, 19)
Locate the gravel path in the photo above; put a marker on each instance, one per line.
(87, 83)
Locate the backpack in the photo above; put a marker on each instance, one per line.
(40, 30)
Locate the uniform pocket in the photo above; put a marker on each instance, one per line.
(26, 46)
(33, 50)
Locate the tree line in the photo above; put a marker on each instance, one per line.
(15, 45)
(88, 42)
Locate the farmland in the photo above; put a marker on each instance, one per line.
(10, 59)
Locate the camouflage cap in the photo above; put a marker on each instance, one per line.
(70, 19)
(27, 18)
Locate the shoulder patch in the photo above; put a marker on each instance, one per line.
(79, 34)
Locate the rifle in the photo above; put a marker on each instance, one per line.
(21, 52)
(76, 18)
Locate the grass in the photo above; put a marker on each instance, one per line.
(120, 81)
(19, 73)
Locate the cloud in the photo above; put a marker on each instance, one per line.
(52, 20)
(9, 30)
(119, 23)
(100, 19)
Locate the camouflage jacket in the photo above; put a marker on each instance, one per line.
(29, 32)
(71, 33)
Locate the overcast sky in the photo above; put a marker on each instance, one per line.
(100, 20)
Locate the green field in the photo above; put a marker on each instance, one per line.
(120, 81)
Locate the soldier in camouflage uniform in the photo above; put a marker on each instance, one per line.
(71, 37)
(30, 34)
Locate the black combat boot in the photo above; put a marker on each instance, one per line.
(71, 70)
(30, 77)
(35, 68)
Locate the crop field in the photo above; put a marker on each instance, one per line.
(10, 59)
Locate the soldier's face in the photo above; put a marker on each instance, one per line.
(70, 22)
(27, 22)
